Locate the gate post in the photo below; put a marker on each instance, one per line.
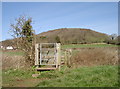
(58, 46)
(36, 55)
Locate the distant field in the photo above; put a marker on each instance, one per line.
(12, 53)
(87, 45)
(20, 53)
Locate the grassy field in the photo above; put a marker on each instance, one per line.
(12, 53)
(87, 45)
(20, 53)
(80, 76)
(97, 76)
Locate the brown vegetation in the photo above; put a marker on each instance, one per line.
(95, 56)
(80, 57)
(72, 35)
(10, 60)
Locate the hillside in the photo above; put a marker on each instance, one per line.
(67, 36)
(72, 35)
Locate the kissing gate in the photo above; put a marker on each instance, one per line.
(47, 56)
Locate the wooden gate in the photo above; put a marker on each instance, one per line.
(47, 56)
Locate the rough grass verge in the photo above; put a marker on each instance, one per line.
(97, 76)
(11, 77)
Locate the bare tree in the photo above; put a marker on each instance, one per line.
(24, 35)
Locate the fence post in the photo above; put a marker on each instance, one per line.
(58, 55)
(65, 57)
(69, 56)
(36, 55)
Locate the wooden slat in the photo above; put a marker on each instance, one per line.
(36, 54)
(58, 55)
(47, 57)
(44, 69)
(47, 49)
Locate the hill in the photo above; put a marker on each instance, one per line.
(72, 35)
(67, 36)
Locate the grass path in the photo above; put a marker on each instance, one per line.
(26, 82)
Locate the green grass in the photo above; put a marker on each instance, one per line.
(18, 53)
(11, 76)
(87, 45)
(99, 76)
(14, 53)
(16, 73)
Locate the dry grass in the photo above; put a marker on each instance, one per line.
(95, 56)
(13, 59)
(12, 62)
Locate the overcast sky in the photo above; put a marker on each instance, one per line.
(98, 16)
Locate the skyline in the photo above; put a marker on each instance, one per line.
(98, 16)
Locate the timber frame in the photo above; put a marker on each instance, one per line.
(55, 55)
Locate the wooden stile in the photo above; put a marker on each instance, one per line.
(42, 57)
(36, 54)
